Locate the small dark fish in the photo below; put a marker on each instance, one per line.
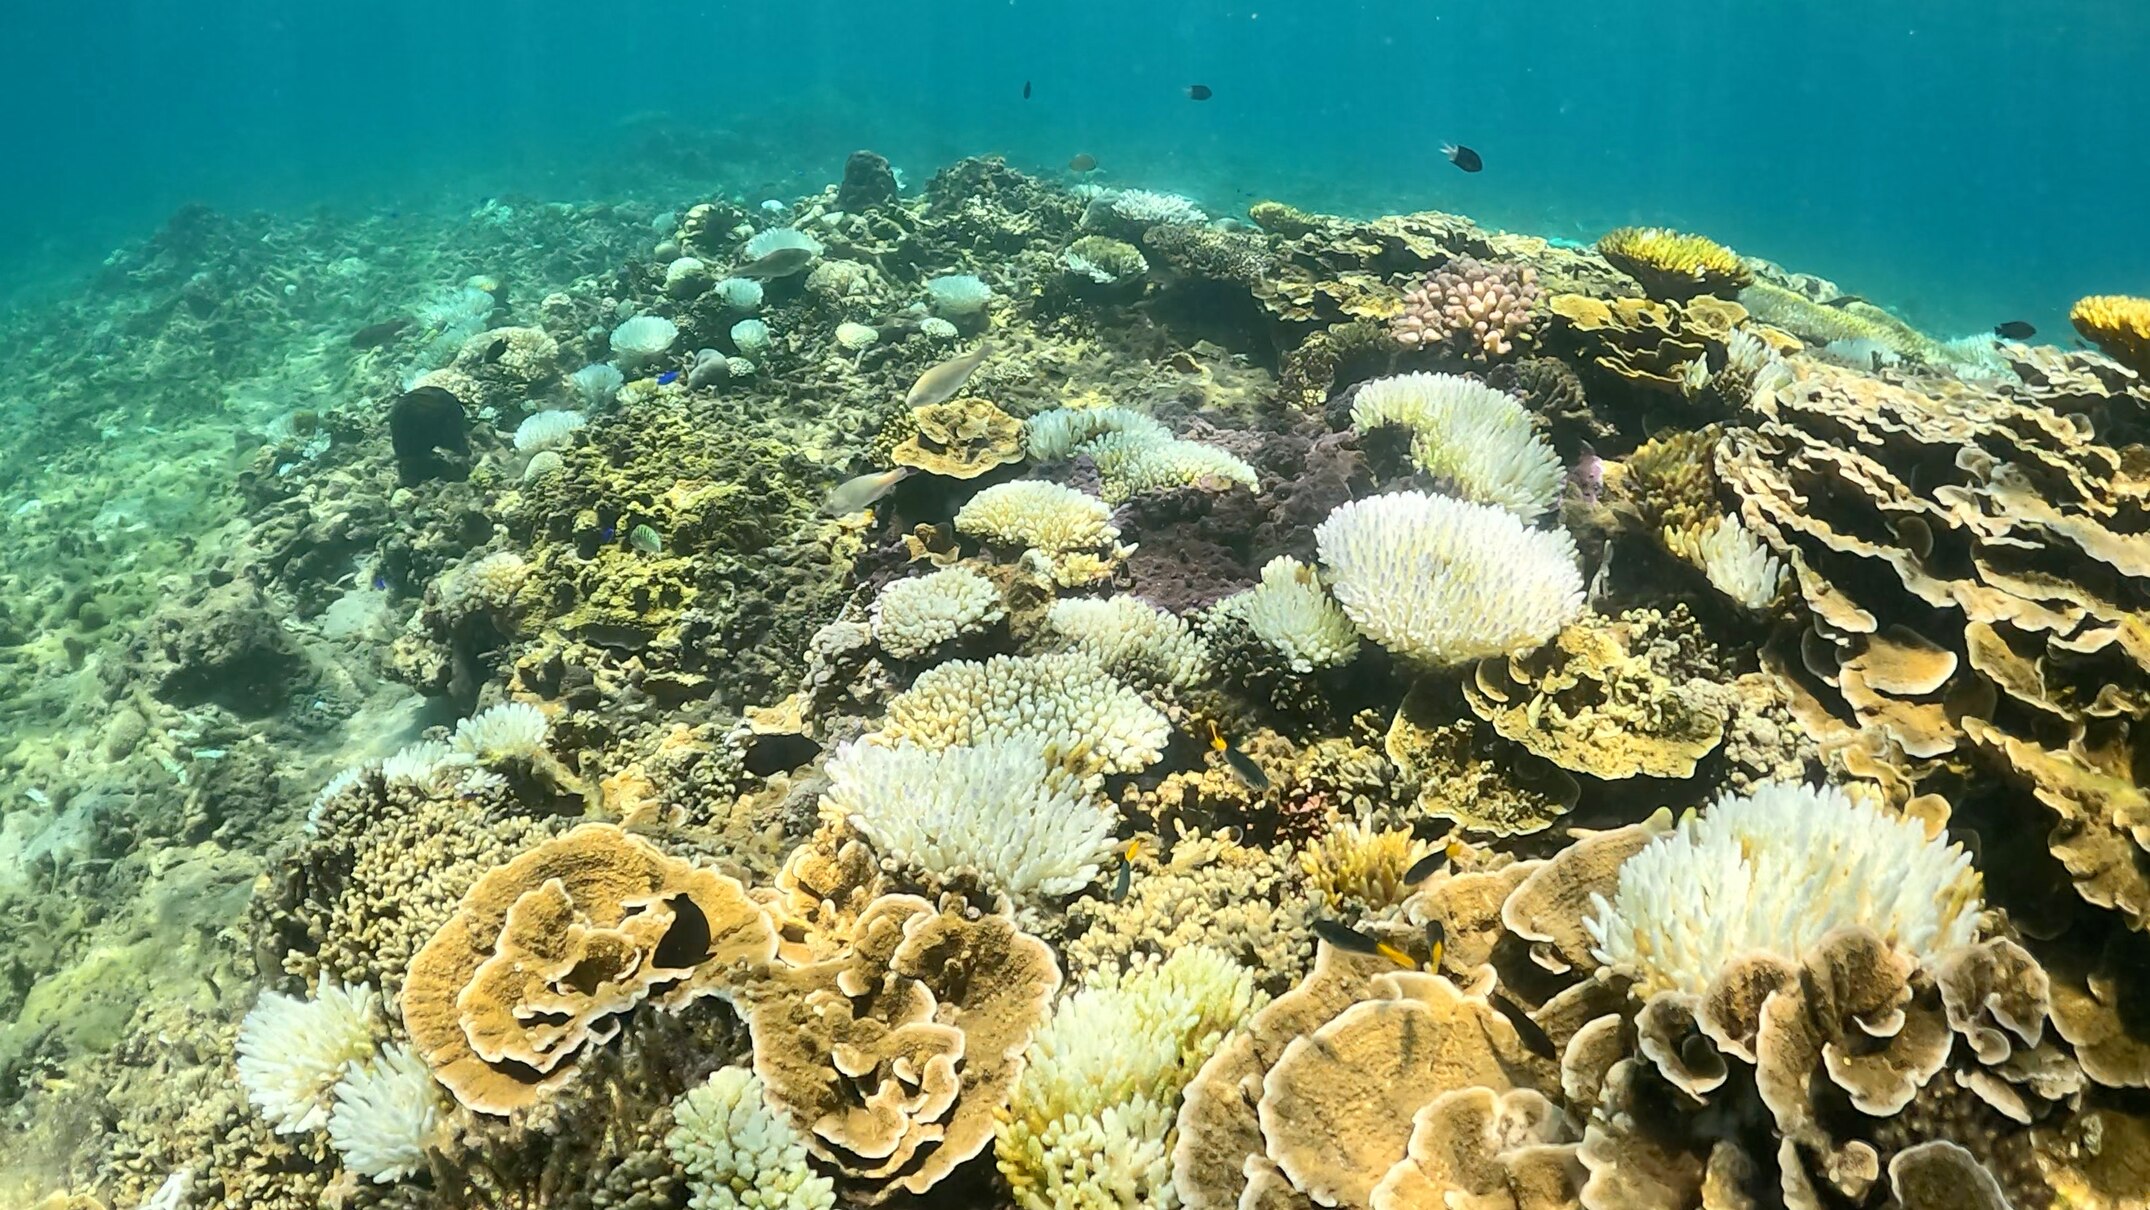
(1436, 945)
(668, 378)
(1085, 162)
(1199, 92)
(1127, 872)
(781, 263)
(380, 583)
(1534, 1036)
(1241, 763)
(373, 336)
(1352, 941)
(2014, 329)
(859, 492)
(645, 539)
(1026, 90)
(1424, 867)
(494, 351)
(1463, 157)
(1842, 300)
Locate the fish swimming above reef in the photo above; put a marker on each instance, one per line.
(1533, 1034)
(1127, 871)
(860, 492)
(1250, 774)
(2014, 329)
(1199, 92)
(1352, 941)
(1083, 162)
(373, 336)
(779, 262)
(1463, 157)
(645, 539)
(1026, 90)
(1425, 867)
(940, 384)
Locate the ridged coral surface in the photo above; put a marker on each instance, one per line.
(1441, 581)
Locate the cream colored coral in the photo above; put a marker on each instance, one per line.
(1290, 613)
(1064, 702)
(293, 1051)
(1034, 513)
(1361, 862)
(1249, 902)
(1440, 581)
(1133, 638)
(738, 1152)
(1736, 562)
(490, 582)
(1057, 435)
(506, 732)
(911, 617)
(1469, 434)
(1001, 810)
(1091, 1123)
(1775, 871)
(388, 1113)
(1129, 464)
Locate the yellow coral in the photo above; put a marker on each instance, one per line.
(1361, 862)
(1673, 264)
(2119, 324)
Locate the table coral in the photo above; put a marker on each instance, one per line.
(959, 439)
(2118, 324)
(1674, 265)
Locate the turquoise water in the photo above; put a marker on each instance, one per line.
(1963, 163)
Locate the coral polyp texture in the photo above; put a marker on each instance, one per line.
(1774, 871)
(987, 690)
(1674, 264)
(1478, 311)
(1439, 581)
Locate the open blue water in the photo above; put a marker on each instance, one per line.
(1962, 161)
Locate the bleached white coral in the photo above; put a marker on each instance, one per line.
(292, 1051)
(1440, 581)
(1091, 1122)
(487, 582)
(933, 327)
(596, 384)
(1736, 562)
(778, 238)
(506, 732)
(1035, 513)
(547, 431)
(1150, 207)
(643, 339)
(1064, 702)
(958, 293)
(172, 1194)
(739, 293)
(1291, 613)
(1003, 809)
(751, 335)
(855, 338)
(1055, 436)
(543, 463)
(387, 1113)
(422, 764)
(1468, 434)
(739, 1153)
(1132, 638)
(1775, 870)
(1129, 464)
(911, 617)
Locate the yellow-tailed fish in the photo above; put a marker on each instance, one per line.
(1425, 867)
(943, 381)
(1352, 941)
(1436, 945)
(1241, 763)
(855, 494)
(1127, 872)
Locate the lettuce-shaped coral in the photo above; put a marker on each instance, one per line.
(1441, 581)
(1672, 264)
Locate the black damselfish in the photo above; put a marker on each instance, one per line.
(1026, 90)
(1462, 157)
(2014, 329)
(1199, 92)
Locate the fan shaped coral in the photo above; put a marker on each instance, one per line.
(2118, 324)
(1672, 264)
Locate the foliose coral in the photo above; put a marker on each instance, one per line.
(2118, 324)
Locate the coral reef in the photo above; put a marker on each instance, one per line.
(1342, 712)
